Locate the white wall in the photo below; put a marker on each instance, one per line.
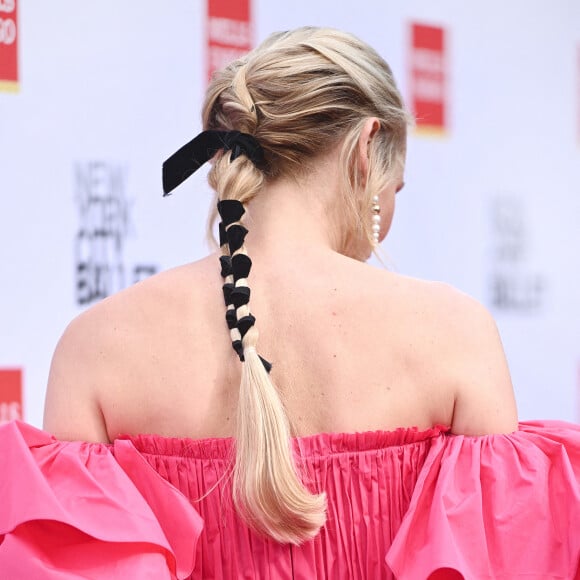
(108, 90)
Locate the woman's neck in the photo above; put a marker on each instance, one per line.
(295, 216)
(287, 214)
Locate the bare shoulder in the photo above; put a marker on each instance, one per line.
(462, 338)
(71, 410)
(102, 347)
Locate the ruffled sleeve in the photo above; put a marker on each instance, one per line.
(495, 506)
(88, 510)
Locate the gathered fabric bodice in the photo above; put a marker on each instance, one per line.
(369, 479)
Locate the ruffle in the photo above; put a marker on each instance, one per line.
(318, 445)
(405, 503)
(495, 506)
(89, 510)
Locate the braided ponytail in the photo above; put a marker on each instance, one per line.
(267, 490)
(300, 93)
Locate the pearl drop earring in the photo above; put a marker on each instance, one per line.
(376, 219)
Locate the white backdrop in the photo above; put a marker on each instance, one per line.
(108, 90)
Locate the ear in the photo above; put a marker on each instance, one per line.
(369, 129)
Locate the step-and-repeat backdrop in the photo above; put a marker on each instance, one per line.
(94, 96)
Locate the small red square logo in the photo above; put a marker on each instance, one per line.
(8, 45)
(10, 395)
(229, 32)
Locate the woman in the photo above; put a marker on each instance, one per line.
(407, 459)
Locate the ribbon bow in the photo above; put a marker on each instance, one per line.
(188, 159)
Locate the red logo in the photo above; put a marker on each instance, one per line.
(229, 32)
(10, 394)
(428, 76)
(8, 45)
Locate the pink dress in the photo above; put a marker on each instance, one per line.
(402, 504)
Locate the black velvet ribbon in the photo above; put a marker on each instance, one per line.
(240, 295)
(223, 234)
(187, 160)
(226, 264)
(237, 296)
(239, 348)
(245, 323)
(231, 318)
(230, 210)
(227, 290)
(267, 365)
(236, 235)
(241, 264)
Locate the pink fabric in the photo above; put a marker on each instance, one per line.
(369, 479)
(499, 506)
(88, 510)
(405, 503)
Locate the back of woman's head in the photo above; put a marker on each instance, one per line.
(300, 94)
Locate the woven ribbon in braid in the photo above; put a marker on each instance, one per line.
(187, 160)
(235, 269)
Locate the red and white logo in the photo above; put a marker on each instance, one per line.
(8, 45)
(229, 32)
(10, 395)
(428, 78)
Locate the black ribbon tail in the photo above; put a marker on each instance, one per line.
(187, 160)
(267, 365)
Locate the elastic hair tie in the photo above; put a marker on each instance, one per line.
(187, 160)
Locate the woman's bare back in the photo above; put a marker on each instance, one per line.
(354, 348)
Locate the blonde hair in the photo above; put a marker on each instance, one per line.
(299, 93)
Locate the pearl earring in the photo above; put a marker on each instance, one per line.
(376, 219)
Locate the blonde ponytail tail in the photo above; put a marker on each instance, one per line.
(267, 490)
